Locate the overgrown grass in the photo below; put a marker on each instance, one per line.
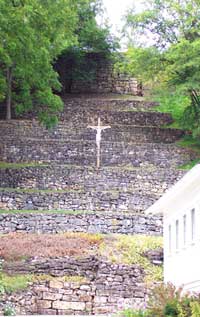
(23, 246)
(15, 283)
(191, 164)
(77, 279)
(190, 142)
(174, 104)
(131, 250)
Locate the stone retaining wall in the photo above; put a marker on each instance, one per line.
(105, 287)
(53, 222)
(66, 178)
(98, 76)
(29, 129)
(84, 153)
(108, 294)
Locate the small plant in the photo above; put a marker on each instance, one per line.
(195, 307)
(134, 313)
(9, 311)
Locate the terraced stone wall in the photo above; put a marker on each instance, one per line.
(105, 287)
(92, 222)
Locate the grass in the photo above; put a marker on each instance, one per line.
(20, 165)
(131, 250)
(189, 142)
(120, 249)
(11, 284)
(14, 283)
(188, 166)
(194, 144)
(67, 279)
(22, 246)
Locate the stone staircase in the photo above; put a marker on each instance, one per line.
(49, 182)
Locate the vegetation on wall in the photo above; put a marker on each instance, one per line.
(169, 61)
(33, 34)
(80, 61)
(132, 250)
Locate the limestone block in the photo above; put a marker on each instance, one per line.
(51, 296)
(55, 284)
(44, 304)
(62, 305)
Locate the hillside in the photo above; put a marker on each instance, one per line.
(49, 186)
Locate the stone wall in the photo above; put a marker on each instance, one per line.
(59, 177)
(38, 222)
(31, 129)
(84, 153)
(98, 76)
(105, 288)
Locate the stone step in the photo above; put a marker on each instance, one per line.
(118, 133)
(84, 153)
(85, 221)
(83, 117)
(76, 200)
(109, 103)
(115, 103)
(90, 116)
(74, 177)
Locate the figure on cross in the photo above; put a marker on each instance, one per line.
(99, 128)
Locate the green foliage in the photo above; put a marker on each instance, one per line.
(171, 62)
(134, 313)
(173, 103)
(15, 283)
(33, 33)
(9, 311)
(168, 301)
(195, 307)
(92, 38)
(132, 249)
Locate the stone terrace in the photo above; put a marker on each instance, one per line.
(49, 184)
(55, 170)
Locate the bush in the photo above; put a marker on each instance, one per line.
(168, 301)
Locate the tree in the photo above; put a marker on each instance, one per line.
(73, 63)
(32, 34)
(170, 60)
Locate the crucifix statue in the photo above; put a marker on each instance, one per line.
(99, 128)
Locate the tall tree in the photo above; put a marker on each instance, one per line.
(166, 52)
(32, 35)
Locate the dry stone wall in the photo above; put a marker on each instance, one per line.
(105, 223)
(59, 177)
(105, 287)
(97, 76)
(84, 153)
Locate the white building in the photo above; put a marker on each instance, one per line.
(180, 207)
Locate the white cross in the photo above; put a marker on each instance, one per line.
(99, 128)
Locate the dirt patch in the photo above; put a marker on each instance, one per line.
(16, 246)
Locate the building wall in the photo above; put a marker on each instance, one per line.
(182, 262)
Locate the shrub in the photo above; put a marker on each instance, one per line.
(169, 301)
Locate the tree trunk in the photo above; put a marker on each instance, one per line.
(9, 92)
